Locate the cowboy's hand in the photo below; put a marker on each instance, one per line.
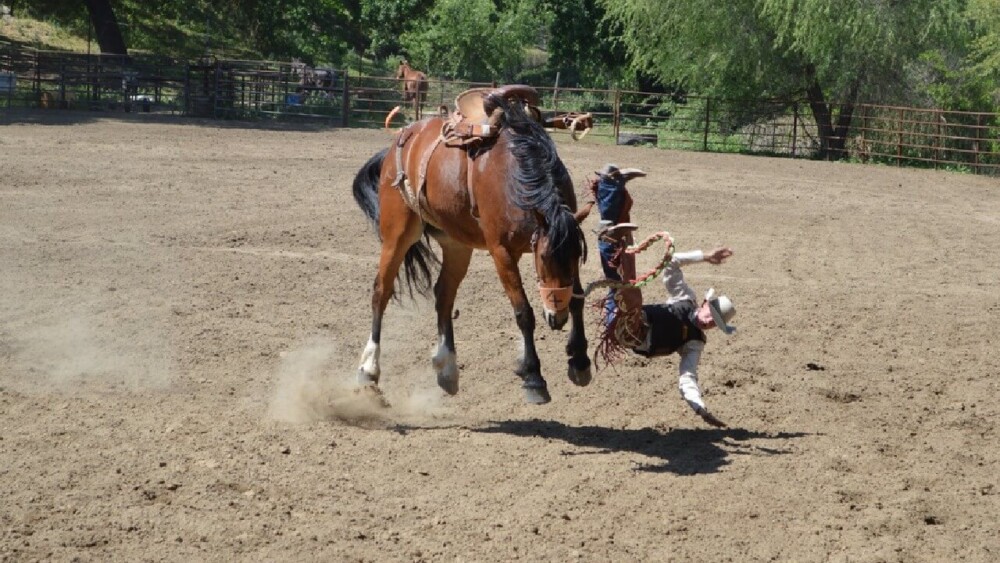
(719, 255)
(710, 418)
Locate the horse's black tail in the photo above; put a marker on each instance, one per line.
(420, 261)
(366, 186)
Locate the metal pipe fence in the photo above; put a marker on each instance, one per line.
(238, 89)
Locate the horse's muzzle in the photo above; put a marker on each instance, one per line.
(555, 303)
(556, 320)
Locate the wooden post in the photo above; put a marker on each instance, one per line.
(975, 144)
(899, 139)
(555, 94)
(864, 129)
(618, 114)
(937, 150)
(795, 126)
(38, 80)
(708, 111)
(345, 107)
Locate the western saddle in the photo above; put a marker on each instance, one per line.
(475, 120)
(477, 117)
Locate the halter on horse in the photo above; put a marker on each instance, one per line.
(507, 192)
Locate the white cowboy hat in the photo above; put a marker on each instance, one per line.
(722, 310)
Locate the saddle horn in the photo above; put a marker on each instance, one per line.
(511, 91)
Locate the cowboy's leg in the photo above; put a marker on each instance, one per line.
(607, 251)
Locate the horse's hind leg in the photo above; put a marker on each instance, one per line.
(529, 369)
(397, 237)
(454, 265)
(576, 347)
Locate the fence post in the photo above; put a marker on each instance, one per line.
(940, 141)
(708, 110)
(795, 126)
(899, 139)
(38, 81)
(618, 114)
(345, 108)
(976, 143)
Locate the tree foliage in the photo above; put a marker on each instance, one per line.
(583, 43)
(944, 53)
(844, 51)
(984, 52)
(474, 39)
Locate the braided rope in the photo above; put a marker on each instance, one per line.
(627, 328)
(645, 278)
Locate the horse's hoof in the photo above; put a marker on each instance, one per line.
(580, 377)
(448, 383)
(537, 395)
(373, 395)
(365, 378)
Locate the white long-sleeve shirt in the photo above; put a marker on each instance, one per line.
(673, 277)
(690, 351)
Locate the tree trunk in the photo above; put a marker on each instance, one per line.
(832, 137)
(109, 34)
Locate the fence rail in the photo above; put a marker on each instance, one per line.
(234, 89)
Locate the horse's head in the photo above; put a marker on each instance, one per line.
(404, 67)
(558, 248)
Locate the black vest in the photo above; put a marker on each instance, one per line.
(670, 326)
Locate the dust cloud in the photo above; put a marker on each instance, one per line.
(316, 382)
(67, 341)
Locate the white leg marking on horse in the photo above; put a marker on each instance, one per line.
(369, 371)
(446, 363)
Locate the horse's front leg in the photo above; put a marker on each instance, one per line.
(454, 265)
(576, 347)
(529, 368)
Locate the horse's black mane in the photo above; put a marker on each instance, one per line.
(538, 180)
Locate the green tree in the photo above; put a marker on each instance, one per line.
(583, 44)
(833, 53)
(984, 57)
(474, 39)
(384, 21)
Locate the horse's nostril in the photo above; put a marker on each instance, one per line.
(556, 320)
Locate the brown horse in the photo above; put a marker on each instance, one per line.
(510, 195)
(414, 86)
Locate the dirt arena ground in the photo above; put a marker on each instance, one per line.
(183, 304)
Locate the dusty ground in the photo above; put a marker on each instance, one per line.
(182, 306)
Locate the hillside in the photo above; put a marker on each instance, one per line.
(40, 35)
